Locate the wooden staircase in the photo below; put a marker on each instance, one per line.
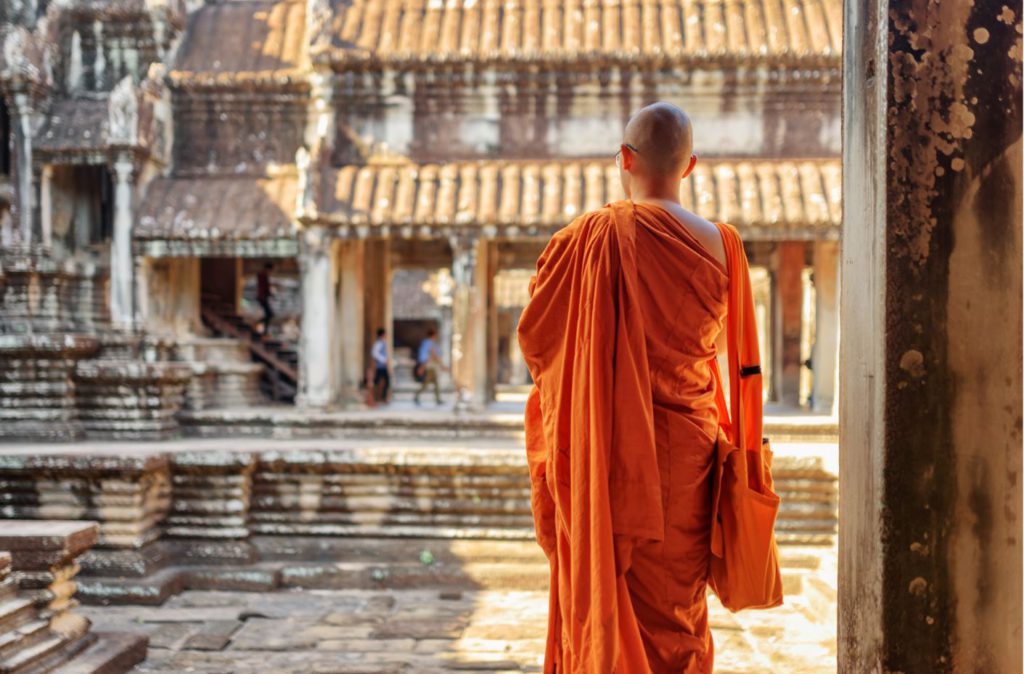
(280, 359)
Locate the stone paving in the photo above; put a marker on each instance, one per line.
(418, 632)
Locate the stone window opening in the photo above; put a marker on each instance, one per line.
(82, 209)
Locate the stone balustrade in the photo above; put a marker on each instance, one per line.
(39, 630)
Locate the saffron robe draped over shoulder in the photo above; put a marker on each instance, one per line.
(619, 336)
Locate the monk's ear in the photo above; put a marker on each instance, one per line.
(690, 166)
(627, 158)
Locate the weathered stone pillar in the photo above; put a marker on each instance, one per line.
(122, 309)
(318, 359)
(46, 204)
(351, 319)
(22, 122)
(788, 260)
(470, 267)
(377, 298)
(930, 402)
(826, 317)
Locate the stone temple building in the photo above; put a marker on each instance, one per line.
(400, 164)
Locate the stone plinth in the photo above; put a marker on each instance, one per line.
(39, 631)
(225, 376)
(435, 492)
(37, 396)
(238, 385)
(200, 393)
(130, 400)
(33, 294)
(128, 495)
(211, 495)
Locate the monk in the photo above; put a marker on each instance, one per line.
(621, 333)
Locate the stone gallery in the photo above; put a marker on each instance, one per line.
(163, 153)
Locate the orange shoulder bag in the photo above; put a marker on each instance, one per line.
(745, 557)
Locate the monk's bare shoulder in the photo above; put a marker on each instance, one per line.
(702, 229)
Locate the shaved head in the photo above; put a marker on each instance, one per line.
(663, 135)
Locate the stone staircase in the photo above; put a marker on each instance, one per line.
(279, 358)
(39, 631)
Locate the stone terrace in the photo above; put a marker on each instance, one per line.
(394, 554)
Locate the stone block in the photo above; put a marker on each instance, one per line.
(130, 399)
(68, 539)
(36, 387)
(211, 495)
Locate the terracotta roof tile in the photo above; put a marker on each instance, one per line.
(218, 208)
(74, 125)
(770, 195)
(244, 40)
(562, 30)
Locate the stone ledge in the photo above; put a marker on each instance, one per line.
(67, 537)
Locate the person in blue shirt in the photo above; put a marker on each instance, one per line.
(382, 366)
(428, 360)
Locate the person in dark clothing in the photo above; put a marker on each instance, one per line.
(263, 295)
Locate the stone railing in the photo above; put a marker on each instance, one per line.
(210, 518)
(39, 630)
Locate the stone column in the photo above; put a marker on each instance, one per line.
(788, 309)
(377, 298)
(930, 404)
(318, 359)
(46, 204)
(826, 317)
(351, 319)
(470, 267)
(22, 122)
(121, 267)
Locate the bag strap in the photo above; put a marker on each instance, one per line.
(745, 423)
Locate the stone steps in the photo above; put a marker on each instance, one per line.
(39, 632)
(14, 612)
(375, 563)
(49, 648)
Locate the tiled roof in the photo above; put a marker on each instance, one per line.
(244, 41)
(668, 31)
(218, 208)
(74, 125)
(769, 198)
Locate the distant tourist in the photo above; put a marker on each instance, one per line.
(263, 295)
(381, 367)
(427, 363)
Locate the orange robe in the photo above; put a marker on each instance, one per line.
(619, 336)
